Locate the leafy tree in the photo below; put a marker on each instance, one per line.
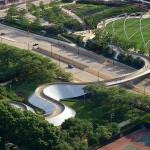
(93, 139)
(122, 57)
(107, 51)
(129, 60)
(113, 128)
(37, 22)
(103, 133)
(76, 127)
(63, 145)
(18, 63)
(12, 11)
(41, 5)
(138, 63)
(99, 45)
(22, 13)
(27, 129)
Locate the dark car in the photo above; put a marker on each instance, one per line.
(35, 44)
(2, 33)
(70, 66)
(2, 19)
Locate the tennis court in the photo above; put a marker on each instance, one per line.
(145, 140)
(138, 140)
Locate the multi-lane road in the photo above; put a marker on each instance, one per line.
(24, 40)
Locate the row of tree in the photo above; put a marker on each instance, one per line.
(5, 95)
(28, 66)
(57, 16)
(99, 44)
(17, 18)
(57, 19)
(100, 94)
(100, 47)
(54, 15)
(130, 61)
(119, 104)
(30, 131)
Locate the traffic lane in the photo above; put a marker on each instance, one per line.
(78, 74)
(30, 40)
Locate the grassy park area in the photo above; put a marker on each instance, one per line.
(128, 32)
(103, 101)
(102, 113)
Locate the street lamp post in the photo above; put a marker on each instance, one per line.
(78, 49)
(29, 45)
(98, 75)
(51, 49)
(144, 89)
(112, 116)
(113, 62)
(59, 60)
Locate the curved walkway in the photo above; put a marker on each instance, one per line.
(48, 95)
(21, 106)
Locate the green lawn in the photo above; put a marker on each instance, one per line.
(83, 10)
(87, 110)
(83, 109)
(133, 34)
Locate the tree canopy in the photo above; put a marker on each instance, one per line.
(28, 66)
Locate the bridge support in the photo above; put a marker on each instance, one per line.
(128, 84)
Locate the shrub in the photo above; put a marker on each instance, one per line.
(129, 60)
(67, 1)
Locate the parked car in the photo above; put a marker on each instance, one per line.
(2, 33)
(2, 19)
(70, 66)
